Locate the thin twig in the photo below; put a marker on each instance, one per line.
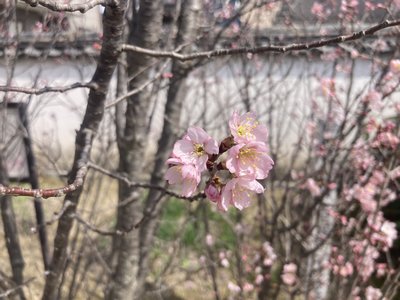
(47, 89)
(59, 6)
(10, 291)
(143, 185)
(263, 49)
(93, 228)
(54, 192)
(55, 217)
(139, 89)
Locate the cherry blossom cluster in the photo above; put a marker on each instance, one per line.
(233, 167)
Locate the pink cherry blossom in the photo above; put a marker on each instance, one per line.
(372, 293)
(259, 279)
(346, 270)
(387, 139)
(187, 177)
(213, 193)
(209, 240)
(195, 147)
(239, 192)
(381, 269)
(374, 99)
(312, 186)
(234, 288)
(249, 160)
(395, 173)
(395, 63)
(289, 274)
(248, 287)
(270, 255)
(246, 128)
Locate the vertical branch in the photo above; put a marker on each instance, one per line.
(7, 212)
(187, 24)
(113, 25)
(11, 232)
(211, 256)
(34, 181)
(144, 31)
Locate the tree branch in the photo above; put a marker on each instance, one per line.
(47, 89)
(9, 292)
(139, 89)
(81, 7)
(263, 49)
(52, 192)
(143, 185)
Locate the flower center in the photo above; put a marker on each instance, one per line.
(243, 130)
(199, 150)
(249, 156)
(246, 129)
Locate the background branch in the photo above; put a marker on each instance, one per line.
(263, 49)
(47, 89)
(81, 7)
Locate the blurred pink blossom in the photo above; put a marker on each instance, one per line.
(270, 255)
(248, 287)
(372, 293)
(395, 173)
(289, 274)
(395, 65)
(209, 240)
(234, 288)
(313, 188)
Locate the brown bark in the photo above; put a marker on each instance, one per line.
(11, 233)
(187, 29)
(113, 25)
(145, 30)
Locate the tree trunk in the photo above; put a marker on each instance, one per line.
(187, 29)
(145, 30)
(113, 25)
(11, 233)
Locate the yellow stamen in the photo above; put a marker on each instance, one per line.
(199, 149)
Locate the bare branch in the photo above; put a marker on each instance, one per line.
(139, 89)
(54, 192)
(47, 89)
(54, 218)
(143, 185)
(91, 227)
(263, 49)
(81, 7)
(9, 292)
(45, 193)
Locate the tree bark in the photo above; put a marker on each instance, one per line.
(187, 30)
(113, 25)
(145, 30)
(34, 181)
(11, 233)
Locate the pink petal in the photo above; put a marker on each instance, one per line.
(197, 135)
(183, 149)
(211, 146)
(188, 187)
(252, 185)
(173, 175)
